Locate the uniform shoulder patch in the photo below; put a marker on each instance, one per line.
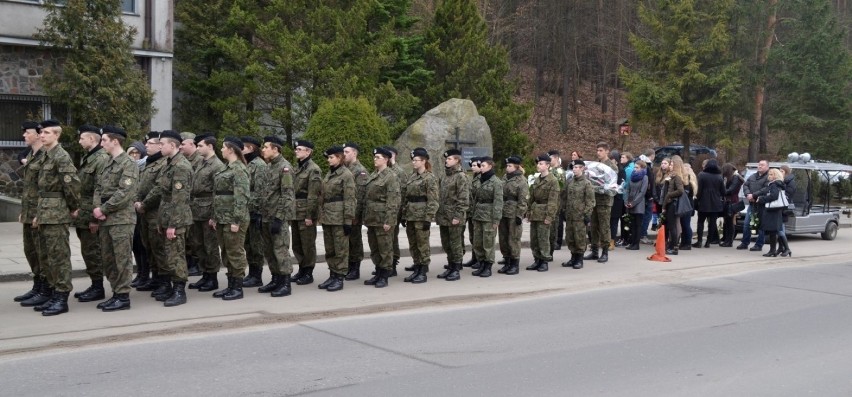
(178, 185)
(128, 181)
(67, 178)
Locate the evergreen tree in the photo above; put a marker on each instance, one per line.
(97, 79)
(340, 120)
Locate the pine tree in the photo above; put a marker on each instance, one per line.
(98, 79)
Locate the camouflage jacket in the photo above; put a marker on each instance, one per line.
(202, 188)
(420, 197)
(339, 200)
(579, 199)
(361, 175)
(515, 195)
(116, 191)
(278, 190)
(195, 160)
(29, 195)
(488, 205)
(307, 185)
(402, 178)
(232, 191)
(172, 192)
(147, 180)
(475, 182)
(58, 188)
(257, 173)
(455, 197)
(381, 201)
(544, 199)
(90, 168)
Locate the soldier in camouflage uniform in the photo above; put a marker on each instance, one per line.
(151, 237)
(203, 234)
(578, 205)
(474, 185)
(556, 228)
(419, 206)
(91, 166)
(601, 214)
(337, 213)
(31, 166)
(356, 241)
(380, 212)
(230, 217)
(515, 195)
(487, 209)
(113, 201)
(58, 205)
(401, 176)
(455, 195)
(171, 191)
(542, 208)
(194, 245)
(307, 185)
(254, 238)
(277, 205)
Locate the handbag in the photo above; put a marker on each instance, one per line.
(737, 207)
(684, 205)
(780, 202)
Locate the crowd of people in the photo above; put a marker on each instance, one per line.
(176, 209)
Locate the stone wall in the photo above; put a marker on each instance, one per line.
(21, 69)
(10, 181)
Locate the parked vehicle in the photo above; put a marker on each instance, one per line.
(695, 151)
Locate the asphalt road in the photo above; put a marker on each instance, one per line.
(780, 332)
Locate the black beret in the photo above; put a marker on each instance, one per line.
(543, 157)
(29, 125)
(303, 143)
(486, 158)
(199, 138)
(383, 151)
(111, 129)
(49, 123)
(420, 152)
(513, 160)
(152, 135)
(250, 139)
(472, 161)
(235, 141)
(553, 152)
(171, 134)
(90, 128)
(333, 150)
(273, 140)
(392, 149)
(452, 152)
(352, 145)
(578, 162)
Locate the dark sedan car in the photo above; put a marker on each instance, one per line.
(695, 151)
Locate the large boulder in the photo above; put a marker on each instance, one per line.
(436, 131)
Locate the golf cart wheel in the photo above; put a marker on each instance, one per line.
(830, 231)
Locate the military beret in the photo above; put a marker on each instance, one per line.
(543, 157)
(250, 139)
(383, 151)
(234, 141)
(486, 158)
(472, 161)
(578, 162)
(49, 123)
(352, 145)
(333, 150)
(420, 152)
(90, 128)
(513, 160)
(199, 138)
(273, 140)
(303, 143)
(171, 134)
(553, 152)
(152, 135)
(29, 125)
(452, 152)
(187, 135)
(391, 149)
(111, 129)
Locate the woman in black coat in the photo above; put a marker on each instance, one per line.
(771, 220)
(733, 183)
(708, 202)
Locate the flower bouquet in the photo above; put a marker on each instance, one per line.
(754, 223)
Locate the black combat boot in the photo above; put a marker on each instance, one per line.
(119, 302)
(478, 268)
(273, 284)
(593, 254)
(235, 291)
(142, 270)
(336, 284)
(107, 302)
(226, 290)
(211, 284)
(178, 295)
(200, 282)
(327, 282)
(448, 268)
(32, 292)
(164, 291)
(579, 263)
(485, 271)
(604, 255)
(354, 271)
(571, 261)
(507, 263)
(96, 292)
(536, 263)
(415, 269)
(382, 275)
(420, 275)
(542, 267)
(411, 268)
(298, 275)
(59, 305)
(306, 278)
(254, 278)
(515, 266)
(283, 288)
(47, 303)
(454, 273)
(503, 261)
(41, 297)
(96, 285)
(392, 272)
(472, 262)
(374, 279)
(192, 268)
(150, 285)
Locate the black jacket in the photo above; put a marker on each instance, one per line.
(711, 190)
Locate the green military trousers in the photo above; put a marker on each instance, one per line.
(233, 248)
(336, 248)
(117, 255)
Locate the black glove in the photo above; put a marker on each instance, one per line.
(427, 225)
(403, 223)
(347, 229)
(519, 221)
(587, 220)
(255, 220)
(275, 228)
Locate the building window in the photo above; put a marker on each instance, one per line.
(15, 109)
(128, 6)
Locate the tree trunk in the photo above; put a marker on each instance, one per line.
(757, 137)
(566, 101)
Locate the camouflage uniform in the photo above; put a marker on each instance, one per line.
(577, 206)
(114, 194)
(402, 177)
(381, 207)
(151, 237)
(90, 167)
(172, 193)
(515, 195)
(542, 205)
(356, 241)
(254, 238)
(555, 227)
(455, 195)
(203, 237)
(195, 244)
(29, 205)
(487, 211)
(230, 207)
(338, 207)
(277, 205)
(307, 185)
(601, 214)
(475, 183)
(419, 206)
(59, 196)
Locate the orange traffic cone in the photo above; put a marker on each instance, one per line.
(660, 247)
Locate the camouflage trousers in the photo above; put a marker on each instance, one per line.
(510, 238)
(336, 248)
(483, 241)
(356, 244)
(32, 251)
(53, 240)
(418, 242)
(600, 226)
(396, 252)
(175, 256)
(233, 248)
(206, 245)
(576, 236)
(304, 243)
(452, 241)
(90, 249)
(540, 241)
(153, 241)
(117, 255)
(254, 245)
(277, 250)
(381, 246)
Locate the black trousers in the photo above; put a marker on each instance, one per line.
(672, 223)
(712, 228)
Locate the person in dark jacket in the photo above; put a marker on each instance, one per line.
(754, 186)
(635, 203)
(733, 183)
(771, 218)
(708, 200)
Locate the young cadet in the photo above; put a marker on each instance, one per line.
(542, 209)
(515, 195)
(203, 234)
(254, 238)
(452, 213)
(401, 176)
(601, 214)
(474, 185)
(419, 205)
(230, 217)
(151, 237)
(276, 207)
(356, 241)
(307, 185)
(337, 212)
(577, 207)
(380, 212)
(487, 210)
(193, 249)
(31, 166)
